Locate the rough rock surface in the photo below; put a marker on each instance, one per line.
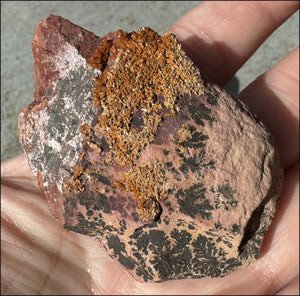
(131, 145)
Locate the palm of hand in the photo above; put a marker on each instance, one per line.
(40, 257)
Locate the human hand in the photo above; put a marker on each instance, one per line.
(40, 257)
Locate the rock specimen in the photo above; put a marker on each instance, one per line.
(132, 146)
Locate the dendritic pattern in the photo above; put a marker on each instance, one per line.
(224, 196)
(193, 202)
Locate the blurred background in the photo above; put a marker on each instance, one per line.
(18, 19)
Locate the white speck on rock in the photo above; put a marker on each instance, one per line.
(68, 60)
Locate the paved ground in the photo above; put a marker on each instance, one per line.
(18, 19)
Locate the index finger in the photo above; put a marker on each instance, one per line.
(220, 36)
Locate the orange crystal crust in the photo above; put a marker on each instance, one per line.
(137, 68)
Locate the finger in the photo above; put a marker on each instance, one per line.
(274, 97)
(16, 173)
(220, 36)
(16, 167)
(291, 289)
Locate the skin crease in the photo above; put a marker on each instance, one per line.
(40, 257)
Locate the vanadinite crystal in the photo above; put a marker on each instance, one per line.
(132, 146)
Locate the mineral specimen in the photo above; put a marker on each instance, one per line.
(132, 146)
